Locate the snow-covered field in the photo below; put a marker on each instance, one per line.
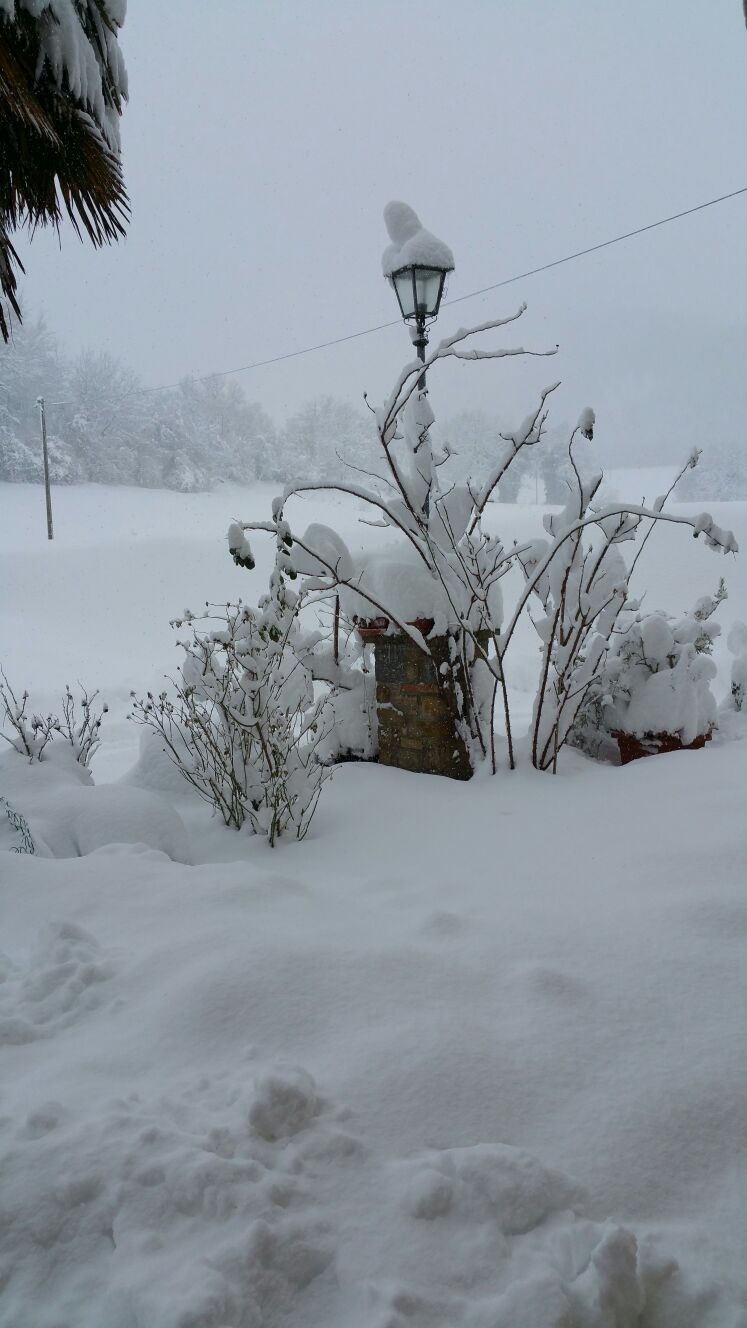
(469, 1055)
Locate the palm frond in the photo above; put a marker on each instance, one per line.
(54, 155)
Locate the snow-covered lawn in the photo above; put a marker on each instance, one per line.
(469, 1055)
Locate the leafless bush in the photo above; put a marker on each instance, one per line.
(457, 565)
(243, 726)
(34, 731)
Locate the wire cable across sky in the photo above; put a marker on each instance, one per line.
(459, 299)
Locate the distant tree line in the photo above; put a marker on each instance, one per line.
(105, 428)
(539, 474)
(721, 475)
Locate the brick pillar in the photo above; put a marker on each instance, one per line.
(417, 721)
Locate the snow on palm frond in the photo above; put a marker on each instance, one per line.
(62, 87)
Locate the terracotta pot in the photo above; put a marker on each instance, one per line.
(653, 744)
(370, 629)
(424, 625)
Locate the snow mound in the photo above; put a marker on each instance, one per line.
(179, 1212)
(397, 579)
(410, 242)
(59, 983)
(488, 1182)
(154, 768)
(284, 1104)
(69, 818)
(165, 1213)
(114, 815)
(495, 1241)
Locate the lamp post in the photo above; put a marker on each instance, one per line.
(419, 727)
(419, 289)
(416, 264)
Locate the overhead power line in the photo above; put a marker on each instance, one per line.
(459, 299)
(594, 248)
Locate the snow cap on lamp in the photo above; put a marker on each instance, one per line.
(411, 243)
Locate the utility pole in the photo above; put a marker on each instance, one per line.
(45, 453)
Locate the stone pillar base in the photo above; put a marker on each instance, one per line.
(417, 723)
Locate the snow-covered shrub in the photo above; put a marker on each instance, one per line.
(737, 643)
(33, 732)
(448, 572)
(344, 665)
(653, 686)
(81, 730)
(441, 585)
(583, 589)
(335, 658)
(445, 575)
(245, 726)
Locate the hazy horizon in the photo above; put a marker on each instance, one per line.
(259, 152)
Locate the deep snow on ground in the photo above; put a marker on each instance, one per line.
(469, 1055)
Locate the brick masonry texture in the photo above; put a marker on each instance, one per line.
(415, 712)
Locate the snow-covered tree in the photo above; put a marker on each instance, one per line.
(106, 420)
(19, 463)
(105, 428)
(63, 87)
(29, 367)
(555, 471)
(472, 437)
(322, 438)
(722, 473)
(206, 430)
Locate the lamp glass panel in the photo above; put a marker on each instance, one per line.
(405, 292)
(428, 288)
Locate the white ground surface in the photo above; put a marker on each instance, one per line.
(470, 1055)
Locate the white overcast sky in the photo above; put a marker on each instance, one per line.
(262, 140)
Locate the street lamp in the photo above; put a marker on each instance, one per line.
(416, 263)
(419, 289)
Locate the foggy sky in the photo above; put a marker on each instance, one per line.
(262, 141)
